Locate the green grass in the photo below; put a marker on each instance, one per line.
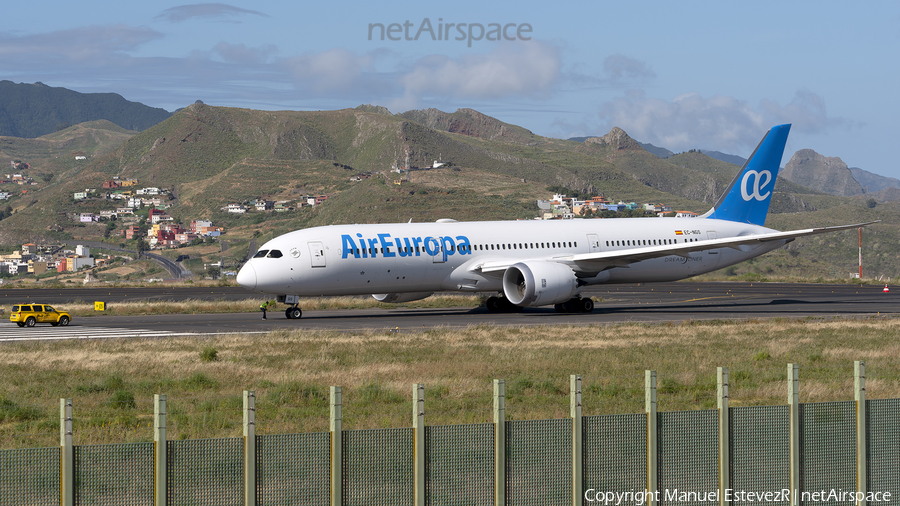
(291, 372)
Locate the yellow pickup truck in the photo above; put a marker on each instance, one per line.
(28, 315)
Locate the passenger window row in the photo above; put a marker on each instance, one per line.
(647, 242)
(526, 245)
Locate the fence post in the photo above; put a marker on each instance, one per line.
(249, 448)
(859, 388)
(724, 434)
(793, 371)
(499, 442)
(419, 441)
(159, 450)
(336, 447)
(652, 451)
(577, 448)
(66, 455)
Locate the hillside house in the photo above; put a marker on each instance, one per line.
(185, 237)
(236, 208)
(110, 185)
(132, 232)
(37, 268)
(197, 224)
(263, 205)
(74, 263)
(210, 231)
(161, 218)
(88, 218)
(685, 214)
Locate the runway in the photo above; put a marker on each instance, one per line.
(646, 303)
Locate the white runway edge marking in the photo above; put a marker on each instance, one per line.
(11, 332)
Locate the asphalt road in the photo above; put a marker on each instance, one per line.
(662, 302)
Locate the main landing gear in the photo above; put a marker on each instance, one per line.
(576, 305)
(293, 313)
(502, 305)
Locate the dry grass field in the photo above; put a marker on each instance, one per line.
(112, 382)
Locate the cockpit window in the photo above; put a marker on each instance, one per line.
(274, 254)
(261, 253)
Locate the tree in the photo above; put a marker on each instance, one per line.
(871, 203)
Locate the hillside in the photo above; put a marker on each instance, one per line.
(826, 174)
(873, 182)
(33, 110)
(213, 156)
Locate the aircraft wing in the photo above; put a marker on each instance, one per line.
(596, 262)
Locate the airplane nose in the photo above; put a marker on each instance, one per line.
(247, 277)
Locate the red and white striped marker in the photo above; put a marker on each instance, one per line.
(886, 290)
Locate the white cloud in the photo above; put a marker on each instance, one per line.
(718, 122)
(527, 69)
(621, 69)
(214, 11)
(334, 72)
(77, 44)
(243, 55)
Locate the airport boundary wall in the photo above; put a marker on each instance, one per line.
(800, 453)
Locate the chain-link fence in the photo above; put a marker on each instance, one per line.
(458, 465)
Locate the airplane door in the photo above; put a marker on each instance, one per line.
(711, 235)
(317, 254)
(594, 242)
(434, 244)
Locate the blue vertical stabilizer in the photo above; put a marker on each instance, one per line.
(747, 198)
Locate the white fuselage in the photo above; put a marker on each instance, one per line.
(428, 257)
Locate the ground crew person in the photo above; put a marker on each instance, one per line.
(266, 305)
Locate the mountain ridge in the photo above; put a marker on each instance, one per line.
(34, 110)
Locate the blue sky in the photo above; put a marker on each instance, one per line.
(682, 75)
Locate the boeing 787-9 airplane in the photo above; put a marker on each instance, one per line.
(527, 263)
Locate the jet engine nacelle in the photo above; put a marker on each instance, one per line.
(391, 298)
(538, 283)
